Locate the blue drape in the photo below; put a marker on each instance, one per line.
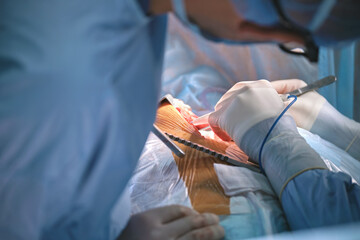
(344, 63)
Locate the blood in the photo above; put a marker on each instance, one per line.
(187, 114)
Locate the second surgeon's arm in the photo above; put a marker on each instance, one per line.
(310, 196)
(220, 18)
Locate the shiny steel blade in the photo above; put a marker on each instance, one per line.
(313, 86)
(167, 141)
(211, 152)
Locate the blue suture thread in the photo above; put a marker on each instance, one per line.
(272, 127)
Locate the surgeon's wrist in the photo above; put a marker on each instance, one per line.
(254, 137)
(285, 157)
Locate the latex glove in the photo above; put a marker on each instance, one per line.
(307, 107)
(243, 106)
(245, 113)
(172, 222)
(312, 112)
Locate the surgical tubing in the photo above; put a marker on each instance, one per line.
(272, 127)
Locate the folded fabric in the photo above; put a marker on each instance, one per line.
(238, 180)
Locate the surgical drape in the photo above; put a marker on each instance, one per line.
(344, 63)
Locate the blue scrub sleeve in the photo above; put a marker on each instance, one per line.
(311, 195)
(319, 198)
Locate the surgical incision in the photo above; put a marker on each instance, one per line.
(196, 168)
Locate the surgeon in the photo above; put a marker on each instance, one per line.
(250, 114)
(80, 81)
(79, 87)
(310, 194)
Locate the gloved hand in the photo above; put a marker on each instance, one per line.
(243, 106)
(312, 112)
(172, 222)
(307, 107)
(245, 113)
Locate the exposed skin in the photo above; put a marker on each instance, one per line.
(220, 18)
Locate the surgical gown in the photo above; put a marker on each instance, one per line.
(79, 84)
(311, 195)
(73, 121)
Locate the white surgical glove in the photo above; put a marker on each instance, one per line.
(172, 222)
(243, 106)
(307, 107)
(245, 113)
(312, 112)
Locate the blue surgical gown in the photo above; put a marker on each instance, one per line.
(312, 195)
(320, 198)
(73, 120)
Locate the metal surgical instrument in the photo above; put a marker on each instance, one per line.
(168, 142)
(312, 86)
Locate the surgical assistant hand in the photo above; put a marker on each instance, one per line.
(308, 105)
(173, 222)
(312, 112)
(243, 106)
(245, 113)
(296, 172)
